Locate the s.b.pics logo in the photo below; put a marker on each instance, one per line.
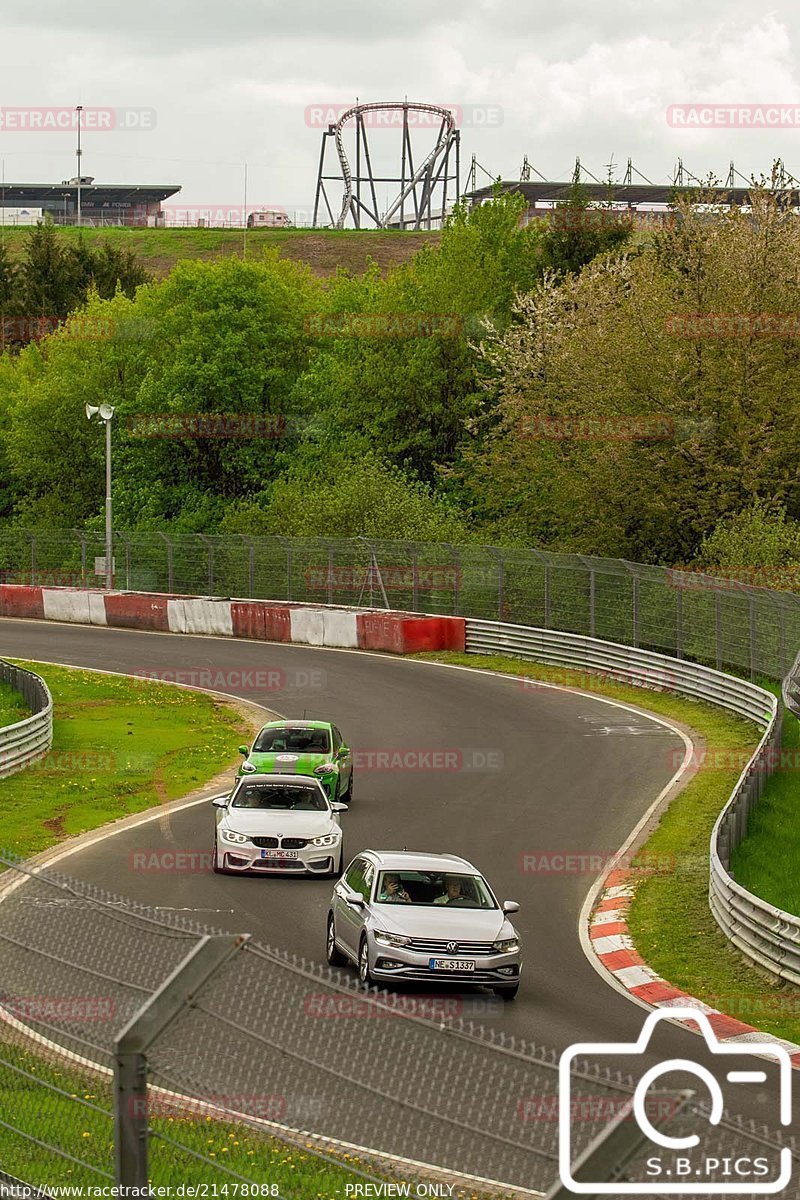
(679, 1157)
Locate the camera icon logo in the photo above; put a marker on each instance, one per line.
(671, 1169)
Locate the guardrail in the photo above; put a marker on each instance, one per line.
(29, 739)
(766, 935)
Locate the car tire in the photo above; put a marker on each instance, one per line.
(347, 797)
(507, 993)
(215, 867)
(332, 953)
(364, 973)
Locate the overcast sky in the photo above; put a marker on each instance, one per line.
(232, 82)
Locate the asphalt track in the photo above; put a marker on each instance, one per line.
(567, 774)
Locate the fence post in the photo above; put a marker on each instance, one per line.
(170, 567)
(679, 622)
(497, 555)
(82, 537)
(414, 578)
(636, 610)
(32, 536)
(132, 1043)
(718, 629)
(456, 557)
(207, 542)
(751, 613)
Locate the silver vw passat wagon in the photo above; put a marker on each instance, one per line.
(413, 917)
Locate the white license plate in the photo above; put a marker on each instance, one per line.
(279, 854)
(451, 964)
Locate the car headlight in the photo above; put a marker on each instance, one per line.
(248, 768)
(327, 839)
(231, 836)
(506, 945)
(391, 939)
(325, 769)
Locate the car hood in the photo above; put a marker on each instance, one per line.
(275, 824)
(285, 762)
(458, 924)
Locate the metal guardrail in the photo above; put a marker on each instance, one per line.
(766, 935)
(724, 623)
(31, 738)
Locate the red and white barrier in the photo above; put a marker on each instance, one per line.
(262, 620)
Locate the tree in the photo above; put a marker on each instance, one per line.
(646, 397)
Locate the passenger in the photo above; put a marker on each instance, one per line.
(454, 893)
(393, 891)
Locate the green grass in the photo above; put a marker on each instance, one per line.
(323, 249)
(12, 707)
(775, 823)
(119, 746)
(80, 1124)
(670, 919)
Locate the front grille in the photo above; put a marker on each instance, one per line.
(293, 843)
(265, 843)
(440, 946)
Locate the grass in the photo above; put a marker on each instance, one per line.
(670, 919)
(324, 249)
(120, 745)
(775, 822)
(12, 707)
(77, 1118)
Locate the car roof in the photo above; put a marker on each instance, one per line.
(280, 777)
(414, 860)
(297, 724)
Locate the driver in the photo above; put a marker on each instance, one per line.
(393, 891)
(453, 893)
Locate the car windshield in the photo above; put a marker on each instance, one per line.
(432, 888)
(283, 796)
(294, 740)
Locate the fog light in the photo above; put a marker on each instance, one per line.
(506, 970)
(388, 964)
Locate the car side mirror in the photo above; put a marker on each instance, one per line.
(245, 750)
(337, 806)
(510, 906)
(343, 752)
(220, 801)
(356, 899)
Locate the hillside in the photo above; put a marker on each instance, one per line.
(323, 249)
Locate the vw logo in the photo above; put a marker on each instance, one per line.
(452, 947)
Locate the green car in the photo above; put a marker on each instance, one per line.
(313, 748)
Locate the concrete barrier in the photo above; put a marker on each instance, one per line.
(16, 600)
(74, 606)
(261, 620)
(197, 615)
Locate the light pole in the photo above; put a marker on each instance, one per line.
(106, 413)
(79, 110)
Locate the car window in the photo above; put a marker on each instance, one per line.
(337, 739)
(434, 888)
(297, 740)
(369, 876)
(354, 876)
(283, 797)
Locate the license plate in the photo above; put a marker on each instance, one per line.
(279, 854)
(451, 964)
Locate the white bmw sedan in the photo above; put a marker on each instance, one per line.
(271, 823)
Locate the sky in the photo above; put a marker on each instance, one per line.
(218, 85)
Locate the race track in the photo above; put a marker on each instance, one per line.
(570, 774)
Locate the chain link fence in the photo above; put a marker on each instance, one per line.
(720, 622)
(276, 1072)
